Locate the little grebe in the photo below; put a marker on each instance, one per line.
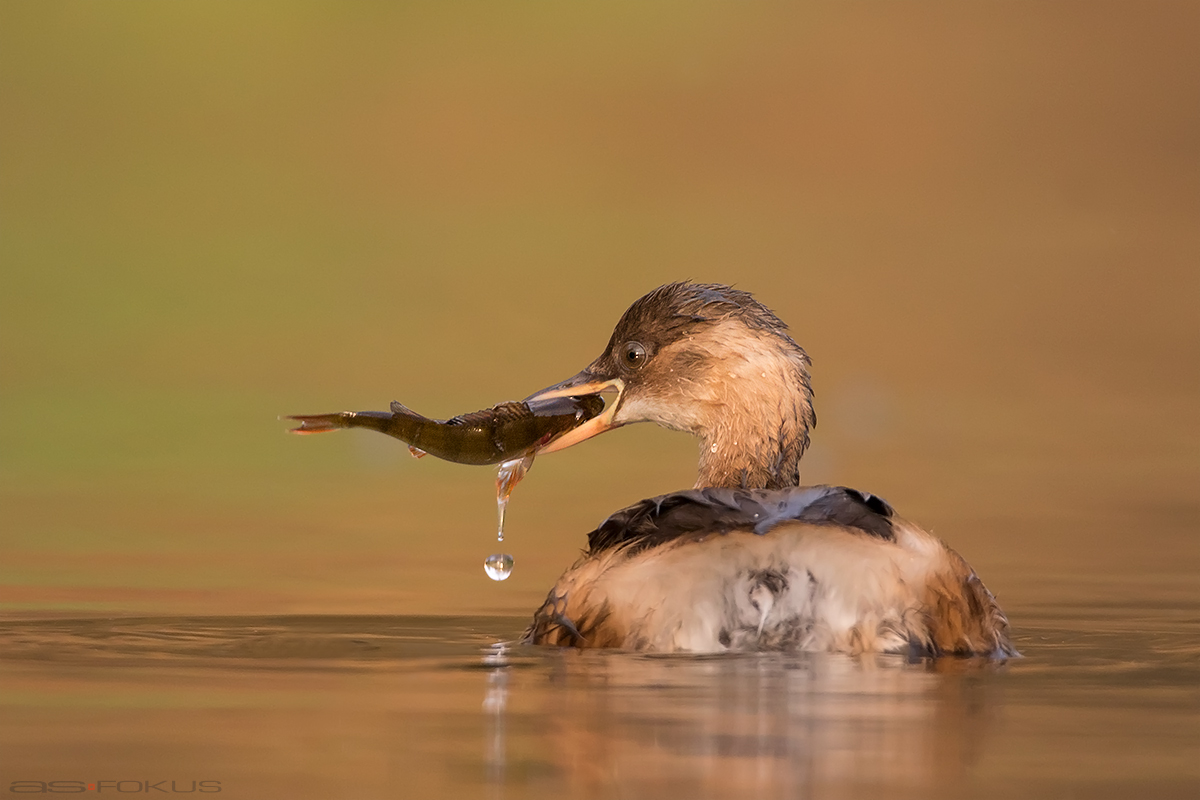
(747, 559)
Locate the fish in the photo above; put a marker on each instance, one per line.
(503, 433)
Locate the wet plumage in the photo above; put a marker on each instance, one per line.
(748, 559)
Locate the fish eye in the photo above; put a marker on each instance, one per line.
(633, 355)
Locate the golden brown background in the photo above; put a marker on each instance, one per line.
(982, 221)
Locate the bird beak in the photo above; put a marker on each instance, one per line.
(584, 383)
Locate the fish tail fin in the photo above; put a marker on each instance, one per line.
(380, 421)
(321, 423)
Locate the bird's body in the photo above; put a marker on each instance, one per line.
(810, 569)
(748, 559)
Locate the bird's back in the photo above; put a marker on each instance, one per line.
(816, 569)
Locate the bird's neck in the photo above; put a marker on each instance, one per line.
(759, 445)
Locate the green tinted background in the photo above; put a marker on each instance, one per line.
(981, 220)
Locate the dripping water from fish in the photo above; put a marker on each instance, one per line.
(509, 434)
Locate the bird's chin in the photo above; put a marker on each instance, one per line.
(675, 415)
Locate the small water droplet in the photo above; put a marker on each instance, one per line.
(498, 566)
(764, 374)
(714, 447)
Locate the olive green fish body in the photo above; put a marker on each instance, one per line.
(500, 433)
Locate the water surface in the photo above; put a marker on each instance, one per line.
(1104, 703)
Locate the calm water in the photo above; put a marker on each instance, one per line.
(1104, 703)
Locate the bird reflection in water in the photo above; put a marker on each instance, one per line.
(748, 725)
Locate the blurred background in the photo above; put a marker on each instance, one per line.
(981, 220)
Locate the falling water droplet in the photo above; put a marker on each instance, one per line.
(498, 566)
(508, 476)
(501, 506)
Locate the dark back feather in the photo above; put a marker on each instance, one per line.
(699, 512)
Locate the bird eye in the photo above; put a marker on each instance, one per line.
(633, 354)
